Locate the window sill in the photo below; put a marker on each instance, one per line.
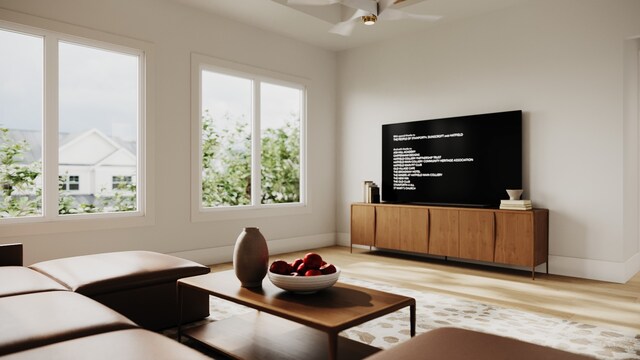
(236, 213)
(73, 223)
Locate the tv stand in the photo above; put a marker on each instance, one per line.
(510, 237)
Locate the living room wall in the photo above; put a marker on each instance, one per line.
(175, 31)
(563, 64)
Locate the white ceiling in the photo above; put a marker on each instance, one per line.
(311, 24)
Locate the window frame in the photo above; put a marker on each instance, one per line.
(199, 63)
(52, 33)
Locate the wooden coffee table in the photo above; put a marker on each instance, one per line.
(289, 325)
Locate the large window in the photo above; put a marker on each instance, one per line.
(251, 147)
(71, 111)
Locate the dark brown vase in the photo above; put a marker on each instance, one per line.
(251, 257)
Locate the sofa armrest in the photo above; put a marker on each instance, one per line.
(10, 254)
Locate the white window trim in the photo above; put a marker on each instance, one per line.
(201, 62)
(50, 222)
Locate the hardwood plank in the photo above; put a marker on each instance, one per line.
(591, 301)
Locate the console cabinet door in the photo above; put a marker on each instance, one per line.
(514, 238)
(363, 224)
(477, 229)
(387, 227)
(443, 232)
(414, 224)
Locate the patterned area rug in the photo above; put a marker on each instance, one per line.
(436, 310)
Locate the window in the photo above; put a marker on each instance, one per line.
(71, 182)
(85, 123)
(250, 128)
(121, 182)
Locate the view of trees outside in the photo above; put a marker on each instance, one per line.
(226, 141)
(21, 196)
(280, 143)
(97, 90)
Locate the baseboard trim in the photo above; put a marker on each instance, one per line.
(223, 254)
(618, 272)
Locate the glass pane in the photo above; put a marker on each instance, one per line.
(226, 140)
(99, 95)
(21, 99)
(280, 138)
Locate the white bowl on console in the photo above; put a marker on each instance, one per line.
(304, 284)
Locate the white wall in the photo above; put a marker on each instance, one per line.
(175, 31)
(562, 63)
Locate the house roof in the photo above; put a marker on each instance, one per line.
(112, 146)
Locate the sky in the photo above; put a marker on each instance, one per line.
(97, 88)
(224, 94)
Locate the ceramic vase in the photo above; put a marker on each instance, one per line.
(514, 194)
(250, 257)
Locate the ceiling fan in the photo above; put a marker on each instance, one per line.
(367, 12)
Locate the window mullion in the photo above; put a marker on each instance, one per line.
(50, 129)
(256, 184)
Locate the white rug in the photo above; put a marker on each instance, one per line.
(436, 310)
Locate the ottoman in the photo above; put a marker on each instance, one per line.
(460, 344)
(141, 285)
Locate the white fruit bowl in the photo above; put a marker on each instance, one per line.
(304, 284)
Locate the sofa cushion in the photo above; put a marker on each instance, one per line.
(124, 344)
(16, 280)
(460, 344)
(108, 272)
(37, 319)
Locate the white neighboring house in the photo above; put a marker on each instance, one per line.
(92, 163)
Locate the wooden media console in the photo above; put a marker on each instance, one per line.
(511, 237)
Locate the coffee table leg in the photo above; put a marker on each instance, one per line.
(412, 314)
(179, 294)
(333, 346)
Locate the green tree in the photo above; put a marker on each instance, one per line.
(123, 199)
(281, 164)
(226, 162)
(20, 194)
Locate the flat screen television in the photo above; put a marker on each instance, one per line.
(466, 160)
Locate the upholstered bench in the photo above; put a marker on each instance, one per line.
(42, 318)
(460, 344)
(140, 285)
(122, 344)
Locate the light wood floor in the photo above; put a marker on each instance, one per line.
(588, 301)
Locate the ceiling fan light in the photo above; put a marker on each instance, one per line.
(369, 19)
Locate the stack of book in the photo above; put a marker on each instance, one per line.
(516, 204)
(371, 192)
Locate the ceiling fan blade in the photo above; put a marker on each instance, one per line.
(394, 14)
(384, 4)
(345, 28)
(370, 6)
(313, 2)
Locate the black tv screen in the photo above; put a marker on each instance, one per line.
(467, 160)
